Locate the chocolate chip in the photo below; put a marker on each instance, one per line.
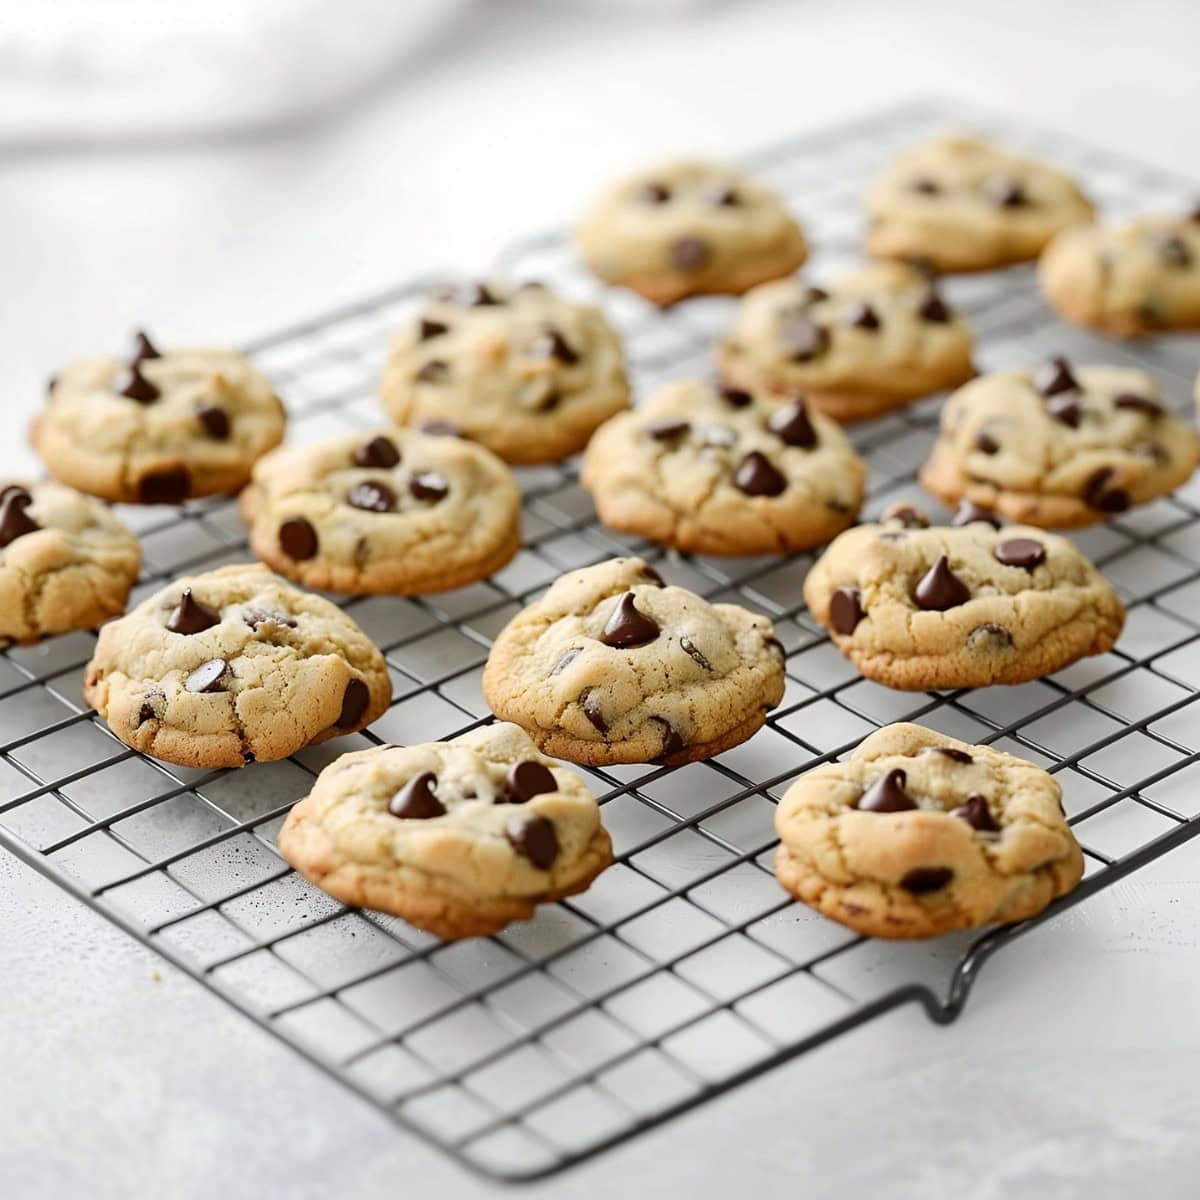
(552, 344)
(924, 186)
(627, 626)
(591, 709)
(648, 572)
(887, 794)
(429, 485)
(722, 195)
(215, 421)
(654, 193)
(1142, 404)
(355, 699)
(1055, 376)
(470, 295)
(146, 713)
(207, 676)
(860, 315)
(434, 371)
(51, 384)
(1097, 493)
(926, 879)
(135, 386)
(190, 616)
(989, 637)
(143, 347)
(735, 397)
(15, 522)
(378, 452)
(165, 487)
(968, 512)
(934, 309)
(801, 338)
(526, 780)
(438, 428)
(533, 838)
(950, 752)
(1004, 191)
(668, 430)
(755, 476)
(977, 814)
(298, 538)
(564, 662)
(689, 253)
(257, 617)
(672, 742)
(793, 427)
(845, 610)
(940, 589)
(774, 644)
(372, 496)
(985, 443)
(427, 329)
(549, 402)
(814, 295)
(1020, 552)
(1066, 408)
(1171, 249)
(720, 436)
(906, 514)
(416, 800)
(693, 652)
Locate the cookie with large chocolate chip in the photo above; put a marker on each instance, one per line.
(917, 834)
(719, 470)
(1060, 446)
(524, 372)
(459, 838)
(613, 666)
(690, 228)
(394, 510)
(960, 204)
(158, 427)
(1130, 280)
(66, 562)
(966, 605)
(234, 666)
(865, 344)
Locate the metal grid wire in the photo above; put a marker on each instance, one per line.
(685, 969)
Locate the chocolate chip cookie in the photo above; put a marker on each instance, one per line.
(520, 370)
(961, 204)
(1060, 446)
(396, 511)
(459, 838)
(966, 605)
(690, 228)
(721, 470)
(917, 834)
(158, 427)
(612, 666)
(867, 343)
(66, 562)
(221, 669)
(1130, 280)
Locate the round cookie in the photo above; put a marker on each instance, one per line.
(870, 342)
(395, 511)
(459, 838)
(1059, 447)
(718, 470)
(960, 204)
(613, 666)
(234, 666)
(520, 370)
(1138, 278)
(159, 428)
(965, 605)
(66, 562)
(690, 228)
(917, 834)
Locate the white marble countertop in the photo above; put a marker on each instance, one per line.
(1072, 1073)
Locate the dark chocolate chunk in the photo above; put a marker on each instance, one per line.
(950, 752)
(801, 338)
(416, 800)
(372, 496)
(533, 838)
(298, 538)
(627, 626)
(860, 315)
(190, 616)
(1004, 191)
(939, 588)
(926, 879)
(773, 643)
(434, 371)
(143, 348)
(672, 742)
(1171, 249)
(924, 186)
(845, 610)
(667, 430)
(207, 676)
(15, 522)
(215, 421)
(146, 713)
(969, 512)
(470, 295)
(165, 487)
(135, 386)
(722, 195)
(1099, 495)
(693, 652)
(735, 397)
(552, 344)
(427, 329)
(977, 814)
(1142, 404)
(985, 443)
(654, 193)
(591, 709)
(906, 514)
(989, 637)
(648, 572)
(355, 699)
(814, 295)
(563, 663)
(378, 452)
(1020, 552)
(258, 617)
(887, 794)
(526, 780)
(1055, 376)
(934, 309)
(792, 426)
(429, 485)
(689, 253)
(755, 476)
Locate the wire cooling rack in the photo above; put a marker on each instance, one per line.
(684, 970)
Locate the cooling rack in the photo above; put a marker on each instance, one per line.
(684, 971)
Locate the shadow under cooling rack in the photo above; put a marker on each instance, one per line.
(685, 970)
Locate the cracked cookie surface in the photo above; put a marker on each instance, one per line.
(520, 370)
(1129, 280)
(917, 834)
(960, 204)
(459, 838)
(233, 666)
(865, 344)
(613, 666)
(689, 228)
(160, 427)
(1060, 446)
(720, 470)
(966, 605)
(394, 511)
(66, 561)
